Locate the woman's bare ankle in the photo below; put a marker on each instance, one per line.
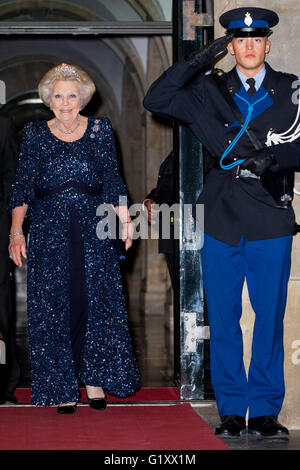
(73, 403)
(94, 392)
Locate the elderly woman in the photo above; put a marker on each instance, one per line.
(78, 329)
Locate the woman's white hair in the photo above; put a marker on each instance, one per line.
(66, 72)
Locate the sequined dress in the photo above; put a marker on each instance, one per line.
(77, 321)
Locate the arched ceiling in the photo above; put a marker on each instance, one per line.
(86, 10)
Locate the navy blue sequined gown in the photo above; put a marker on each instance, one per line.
(78, 327)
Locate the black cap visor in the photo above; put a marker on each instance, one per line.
(249, 32)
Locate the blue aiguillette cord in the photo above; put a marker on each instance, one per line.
(237, 138)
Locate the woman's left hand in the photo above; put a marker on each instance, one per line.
(127, 234)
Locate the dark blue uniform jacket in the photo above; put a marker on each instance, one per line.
(233, 207)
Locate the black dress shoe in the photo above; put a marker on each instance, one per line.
(267, 426)
(8, 398)
(231, 426)
(97, 403)
(67, 409)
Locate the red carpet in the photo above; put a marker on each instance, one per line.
(174, 427)
(143, 395)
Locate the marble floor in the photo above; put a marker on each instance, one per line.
(208, 411)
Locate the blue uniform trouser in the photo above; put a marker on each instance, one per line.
(266, 266)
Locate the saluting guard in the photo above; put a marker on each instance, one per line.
(248, 120)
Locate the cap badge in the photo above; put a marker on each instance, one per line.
(248, 19)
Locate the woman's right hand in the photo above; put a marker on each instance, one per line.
(16, 248)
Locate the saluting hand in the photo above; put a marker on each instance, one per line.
(209, 54)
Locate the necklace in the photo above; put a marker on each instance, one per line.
(68, 132)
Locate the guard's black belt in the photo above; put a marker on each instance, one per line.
(236, 171)
(81, 187)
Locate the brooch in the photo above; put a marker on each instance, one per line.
(95, 128)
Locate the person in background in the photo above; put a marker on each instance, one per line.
(10, 371)
(163, 193)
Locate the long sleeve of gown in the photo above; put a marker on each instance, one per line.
(114, 186)
(22, 191)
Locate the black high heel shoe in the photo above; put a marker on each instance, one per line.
(67, 409)
(97, 403)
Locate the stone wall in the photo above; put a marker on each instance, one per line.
(282, 57)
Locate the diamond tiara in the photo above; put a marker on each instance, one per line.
(65, 69)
